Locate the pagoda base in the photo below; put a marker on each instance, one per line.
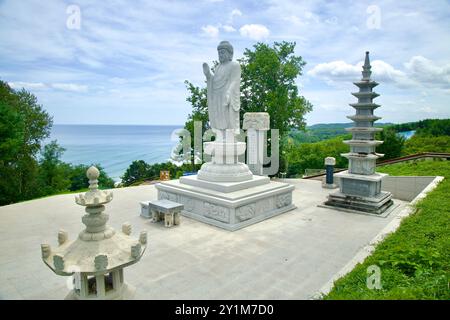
(374, 205)
(229, 205)
(360, 192)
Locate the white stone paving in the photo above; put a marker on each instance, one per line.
(290, 256)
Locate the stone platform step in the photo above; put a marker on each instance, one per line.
(375, 205)
(231, 210)
(225, 187)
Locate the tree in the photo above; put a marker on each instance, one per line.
(79, 180)
(137, 171)
(53, 173)
(301, 156)
(392, 145)
(425, 143)
(28, 125)
(37, 125)
(11, 137)
(268, 85)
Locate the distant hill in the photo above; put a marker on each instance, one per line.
(340, 125)
(324, 131)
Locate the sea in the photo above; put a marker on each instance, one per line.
(114, 147)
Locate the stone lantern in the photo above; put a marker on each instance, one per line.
(99, 254)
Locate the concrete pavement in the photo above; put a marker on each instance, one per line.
(290, 256)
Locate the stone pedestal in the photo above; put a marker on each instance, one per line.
(229, 205)
(224, 165)
(225, 193)
(361, 193)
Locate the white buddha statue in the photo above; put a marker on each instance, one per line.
(223, 90)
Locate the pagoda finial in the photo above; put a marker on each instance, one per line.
(366, 67)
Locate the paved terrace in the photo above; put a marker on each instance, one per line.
(290, 256)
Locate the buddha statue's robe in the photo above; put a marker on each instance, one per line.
(223, 93)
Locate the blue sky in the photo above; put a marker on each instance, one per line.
(125, 62)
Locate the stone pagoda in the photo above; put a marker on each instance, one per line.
(360, 185)
(99, 254)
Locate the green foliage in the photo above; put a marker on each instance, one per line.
(425, 143)
(268, 84)
(301, 156)
(139, 171)
(79, 180)
(392, 145)
(434, 127)
(56, 177)
(324, 131)
(53, 173)
(415, 260)
(316, 134)
(432, 135)
(197, 99)
(23, 126)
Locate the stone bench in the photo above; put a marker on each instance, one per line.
(159, 209)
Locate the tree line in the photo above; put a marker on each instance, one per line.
(430, 127)
(431, 135)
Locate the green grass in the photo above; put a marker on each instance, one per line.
(414, 260)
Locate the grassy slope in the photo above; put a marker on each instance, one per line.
(414, 260)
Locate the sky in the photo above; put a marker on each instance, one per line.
(125, 62)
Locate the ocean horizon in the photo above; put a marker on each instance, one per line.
(114, 147)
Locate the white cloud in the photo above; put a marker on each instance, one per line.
(69, 87)
(254, 31)
(419, 72)
(236, 12)
(293, 19)
(117, 80)
(427, 72)
(210, 31)
(428, 109)
(228, 28)
(335, 70)
(27, 85)
(118, 40)
(342, 71)
(383, 71)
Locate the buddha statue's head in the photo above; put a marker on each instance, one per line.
(225, 50)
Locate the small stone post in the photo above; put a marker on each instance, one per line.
(256, 124)
(330, 162)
